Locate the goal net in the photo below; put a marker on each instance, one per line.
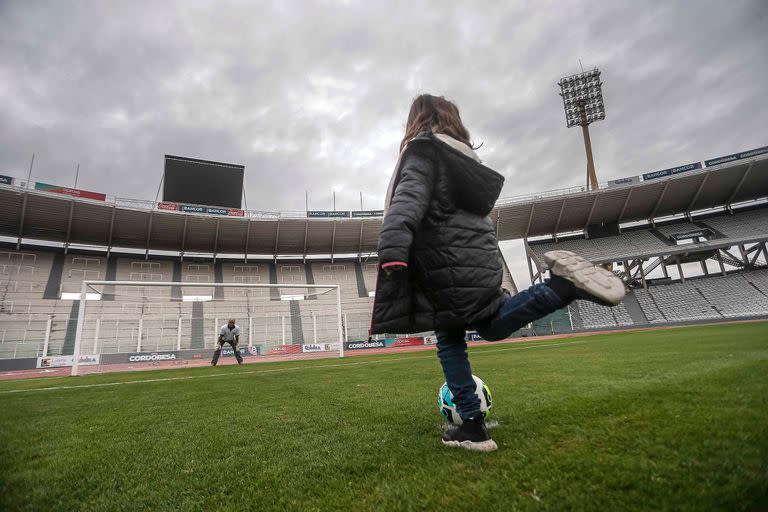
(130, 324)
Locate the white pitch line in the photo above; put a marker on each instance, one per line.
(285, 369)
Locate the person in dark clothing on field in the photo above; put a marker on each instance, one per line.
(229, 333)
(440, 265)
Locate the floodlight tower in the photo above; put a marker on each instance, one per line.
(583, 103)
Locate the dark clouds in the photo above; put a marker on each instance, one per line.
(313, 95)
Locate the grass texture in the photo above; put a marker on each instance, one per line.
(671, 419)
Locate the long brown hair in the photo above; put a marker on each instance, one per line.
(437, 115)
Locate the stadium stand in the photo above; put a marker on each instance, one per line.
(740, 294)
(728, 230)
(595, 315)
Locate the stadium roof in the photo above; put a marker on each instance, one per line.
(57, 218)
(34, 214)
(710, 187)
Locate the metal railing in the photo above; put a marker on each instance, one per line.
(143, 204)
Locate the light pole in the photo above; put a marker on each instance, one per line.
(583, 104)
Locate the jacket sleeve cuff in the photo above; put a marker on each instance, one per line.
(394, 264)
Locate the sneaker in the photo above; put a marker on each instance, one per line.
(588, 282)
(471, 435)
(239, 361)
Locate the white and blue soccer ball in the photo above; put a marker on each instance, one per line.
(448, 408)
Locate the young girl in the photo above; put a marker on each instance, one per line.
(440, 264)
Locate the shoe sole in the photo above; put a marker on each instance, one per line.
(481, 446)
(596, 281)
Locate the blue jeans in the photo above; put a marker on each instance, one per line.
(519, 310)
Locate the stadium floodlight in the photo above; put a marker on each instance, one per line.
(583, 104)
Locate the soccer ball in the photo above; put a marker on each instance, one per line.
(448, 408)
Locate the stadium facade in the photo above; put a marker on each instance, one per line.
(648, 229)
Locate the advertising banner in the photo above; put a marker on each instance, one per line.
(196, 354)
(54, 361)
(671, 171)
(193, 209)
(473, 336)
(210, 210)
(363, 345)
(164, 205)
(430, 340)
(687, 235)
(623, 182)
(313, 347)
(74, 192)
(143, 357)
(411, 341)
(89, 359)
(230, 212)
(281, 350)
(6, 180)
(152, 357)
(367, 213)
(63, 361)
(736, 156)
(327, 214)
(228, 352)
(20, 363)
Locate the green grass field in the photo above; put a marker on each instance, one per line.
(673, 419)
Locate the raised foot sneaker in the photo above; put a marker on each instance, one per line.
(591, 283)
(470, 435)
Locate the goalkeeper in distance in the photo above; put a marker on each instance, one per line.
(229, 333)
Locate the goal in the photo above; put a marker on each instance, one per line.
(172, 323)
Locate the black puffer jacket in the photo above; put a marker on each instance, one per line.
(437, 223)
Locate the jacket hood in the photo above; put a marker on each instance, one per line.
(475, 186)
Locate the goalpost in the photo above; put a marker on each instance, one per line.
(256, 304)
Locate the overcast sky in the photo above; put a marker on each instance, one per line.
(314, 95)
